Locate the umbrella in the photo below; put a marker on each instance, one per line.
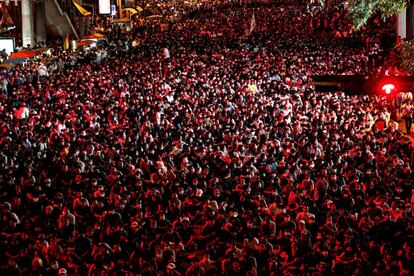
(154, 17)
(40, 51)
(138, 8)
(23, 54)
(16, 60)
(131, 10)
(84, 43)
(94, 36)
(6, 66)
(122, 20)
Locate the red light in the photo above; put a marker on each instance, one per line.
(388, 88)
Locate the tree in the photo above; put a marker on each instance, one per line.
(406, 50)
(362, 10)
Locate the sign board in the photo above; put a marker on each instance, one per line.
(7, 44)
(113, 9)
(105, 7)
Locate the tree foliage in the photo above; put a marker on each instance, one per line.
(362, 10)
(406, 50)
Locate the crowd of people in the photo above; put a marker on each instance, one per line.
(206, 151)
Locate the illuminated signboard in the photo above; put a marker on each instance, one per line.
(104, 6)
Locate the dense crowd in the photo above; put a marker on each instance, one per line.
(202, 153)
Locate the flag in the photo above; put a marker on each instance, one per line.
(252, 24)
(66, 42)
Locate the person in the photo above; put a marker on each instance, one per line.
(109, 175)
(23, 112)
(407, 115)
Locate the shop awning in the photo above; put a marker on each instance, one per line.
(81, 9)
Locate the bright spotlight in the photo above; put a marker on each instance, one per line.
(388, 88)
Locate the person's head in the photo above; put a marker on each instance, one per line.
(236, 266)
(311, 219)
(6, 207)
(62, 271)
(322, 268)
(170, 268)
(286, 217)
(161, 217)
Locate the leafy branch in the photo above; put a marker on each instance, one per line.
(362, 10)
(406, 55)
